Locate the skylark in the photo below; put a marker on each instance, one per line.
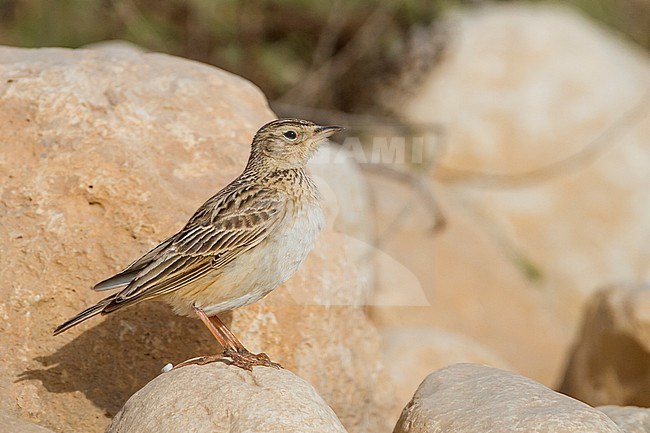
(239, 245)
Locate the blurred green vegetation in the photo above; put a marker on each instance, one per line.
(351, 44)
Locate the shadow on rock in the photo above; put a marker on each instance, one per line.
(111, 361)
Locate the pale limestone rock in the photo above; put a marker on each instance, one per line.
(104, 154)
(469, 398)
(411, 354)
(116, 46)
(217, 398)
(468, 285)
(610, 362)
(520, 87)
(9, 424)
(630, 419)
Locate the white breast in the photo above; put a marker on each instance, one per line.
(257, 272)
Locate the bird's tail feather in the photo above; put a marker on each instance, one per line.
(85, 314)
(116, 281)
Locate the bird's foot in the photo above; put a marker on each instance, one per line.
(242, 358)
(202, 360)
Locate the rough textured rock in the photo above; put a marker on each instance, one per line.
(217, 398)
(519, 88)
(104, 154)
(10, 424)
(475, 398)
(630, 419)
(610, 362)
(415, 352)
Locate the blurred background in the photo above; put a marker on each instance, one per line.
(505, 150)
(296, 51)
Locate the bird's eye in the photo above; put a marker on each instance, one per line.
(291, 135)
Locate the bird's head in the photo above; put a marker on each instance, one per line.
(289, 143)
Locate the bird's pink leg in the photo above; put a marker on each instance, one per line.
(233, 342)
(232, 347)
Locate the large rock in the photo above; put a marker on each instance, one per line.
(412, 353)
(217, 398)
(610, 362)
(9, 424)
(630, 419)
(106, 153)
(520, 88)
(467, 398)
(469, 288)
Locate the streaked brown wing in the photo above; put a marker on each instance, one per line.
(124, 277)
(240, 221)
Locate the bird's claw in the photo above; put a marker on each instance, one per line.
(239, 358)
(242, 358)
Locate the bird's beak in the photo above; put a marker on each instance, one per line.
(326, 131)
